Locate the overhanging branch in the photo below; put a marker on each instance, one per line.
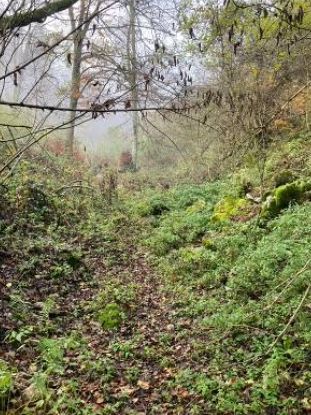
(34, 16)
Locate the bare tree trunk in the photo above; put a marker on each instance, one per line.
(133, 79)
(74, 94)
(75, 74)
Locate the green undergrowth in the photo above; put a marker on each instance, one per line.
(222, 327)
(57, 239)
(243, 279)
(240, 284)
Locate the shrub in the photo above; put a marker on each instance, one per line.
(33, 199)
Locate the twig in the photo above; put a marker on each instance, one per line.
(15, 126)
(290, 321)
(12, 169)
(289, 283)
(74, 186)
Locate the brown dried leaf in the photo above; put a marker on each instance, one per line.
(143, 385)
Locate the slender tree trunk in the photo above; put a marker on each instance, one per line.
(133, 79)
(74, 93)
(75, 75)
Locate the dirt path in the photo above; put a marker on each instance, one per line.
(66, 363)
(148, 350)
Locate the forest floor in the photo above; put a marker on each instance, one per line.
(64, 362)
(178, 301)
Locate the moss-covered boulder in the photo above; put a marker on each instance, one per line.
(269, 208)
(153, 207)
(198, 206)
(284, 196)
(209, 244)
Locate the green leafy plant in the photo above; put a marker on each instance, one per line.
(20, 336)
(125, 349)
(52, 355)
(111, 317)
(6, 385)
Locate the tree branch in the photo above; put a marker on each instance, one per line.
(90, 110)
(47, 50)
(34, 16)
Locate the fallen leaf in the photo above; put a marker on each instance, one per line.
(99, 399)
(127, 390)
(183, 393)
(143, 385)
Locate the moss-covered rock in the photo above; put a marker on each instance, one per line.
(306, 186)
(269, 208)
(284, 196)
(153, 207)
(111, 317)
(197, 206)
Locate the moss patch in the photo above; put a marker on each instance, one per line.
(229, 207)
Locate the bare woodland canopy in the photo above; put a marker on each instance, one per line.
(236, 70)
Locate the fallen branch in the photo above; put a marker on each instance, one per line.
(291, 320)
(288, 283)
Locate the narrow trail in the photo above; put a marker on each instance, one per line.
(129, 370)
(150, 347)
